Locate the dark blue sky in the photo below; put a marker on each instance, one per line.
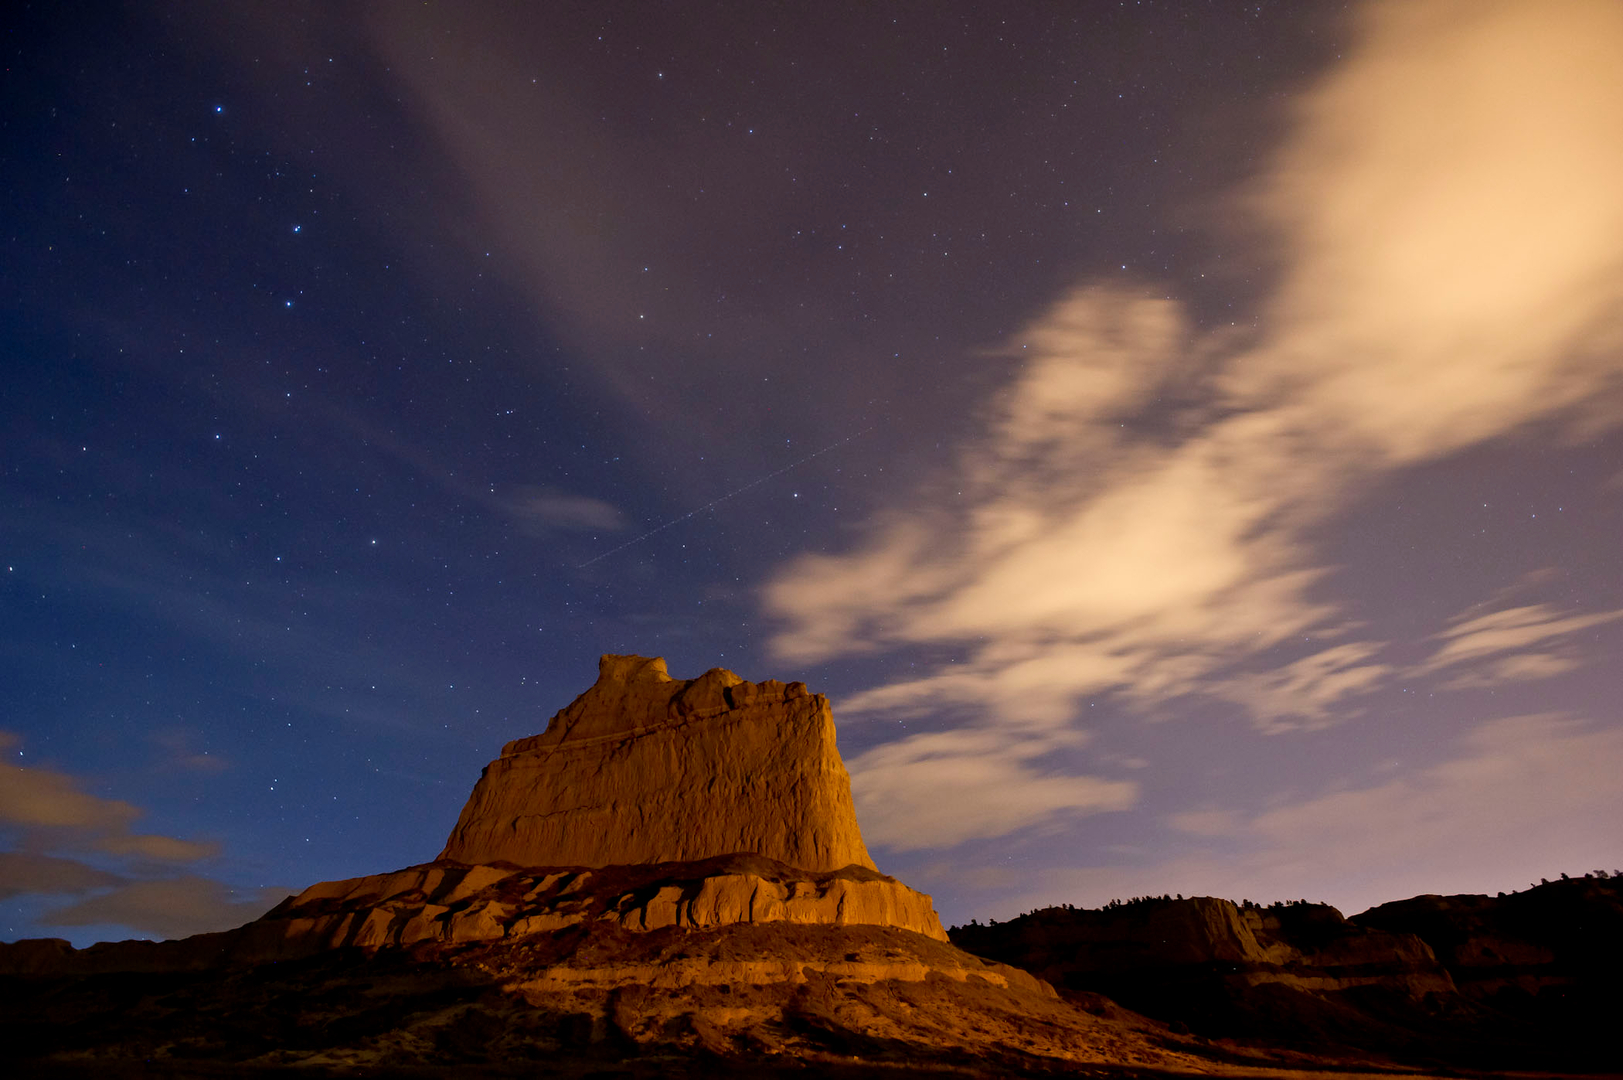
(1182, 439)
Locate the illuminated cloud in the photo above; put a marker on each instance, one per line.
(1511, 669)
(44, 798)
(1137, 509)
(1474, 638)
(1449, 212)
(939, 789)
(1307, 692)
(1029, 685)
(159, 848)
(1140, 506)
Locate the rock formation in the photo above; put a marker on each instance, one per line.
(649, 802)
(1557, 947)
(644, 768)
(1297, 974)
(1275, 943)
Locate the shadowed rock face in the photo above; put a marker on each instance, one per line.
(1552, 952)
(644, 768)
(1299, 974)
(1138, 950)
(1529, 979)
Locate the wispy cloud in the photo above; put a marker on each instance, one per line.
(1523, 667)
(81, 851)
(1471, 639)
(1543, 783)
(1310, 692)
(537, 510)
(49, 807)
(542, 510)
(180, 753)
(24, 872)
(939, 789)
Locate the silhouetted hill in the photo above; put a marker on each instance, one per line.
(1529, 979)
(1550, 958)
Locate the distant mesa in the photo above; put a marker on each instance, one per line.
(644, 768)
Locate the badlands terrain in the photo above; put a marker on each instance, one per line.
(670, 881)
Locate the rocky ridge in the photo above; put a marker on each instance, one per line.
(1299, 944)
(1477, 980)
(1543, 962)
(1299, 973)
(626, 888)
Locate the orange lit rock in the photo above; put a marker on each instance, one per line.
(649, 803)
(644, 768)
(440, 902)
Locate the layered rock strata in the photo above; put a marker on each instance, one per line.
(449, 902)
(644, 768)
(443, 902)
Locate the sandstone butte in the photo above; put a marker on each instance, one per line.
(644, 768)
(649, 802)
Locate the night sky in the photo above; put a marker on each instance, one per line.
(1184, 440)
